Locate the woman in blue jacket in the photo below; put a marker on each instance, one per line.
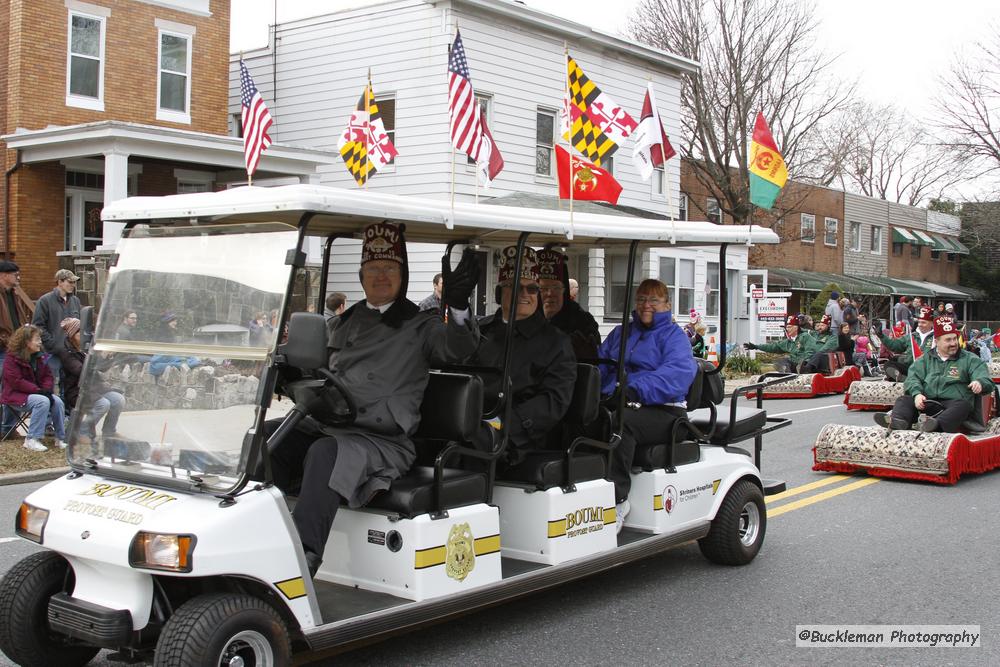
(659, 370)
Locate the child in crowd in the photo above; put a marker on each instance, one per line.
(862, 353)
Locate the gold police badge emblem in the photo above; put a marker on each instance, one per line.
(460, 552)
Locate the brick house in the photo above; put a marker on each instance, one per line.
(109, 98)
(871, 248)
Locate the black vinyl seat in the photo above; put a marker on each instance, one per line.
(683, 449)
(450, 414)
(748, 421)
(545, 469)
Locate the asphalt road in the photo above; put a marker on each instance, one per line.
(850, 552)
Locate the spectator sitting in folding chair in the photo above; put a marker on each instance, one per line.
(27, 387)
(100, 400)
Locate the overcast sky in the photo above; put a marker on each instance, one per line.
(895, 48)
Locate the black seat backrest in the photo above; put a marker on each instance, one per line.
(586, 402)
(452, 407)
(708, 389)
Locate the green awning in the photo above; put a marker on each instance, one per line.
(960, 248)
(813, 281)
(923, 238)
(940, 245)
(903, 235)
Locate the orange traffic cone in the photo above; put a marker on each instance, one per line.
(713, 356)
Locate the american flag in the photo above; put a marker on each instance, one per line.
(256, 121)
(466, 130)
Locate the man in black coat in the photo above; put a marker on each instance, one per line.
(543, 367)
(563, 313)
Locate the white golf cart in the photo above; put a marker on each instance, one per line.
(164, 544)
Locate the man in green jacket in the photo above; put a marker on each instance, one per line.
(947, 374)
(922, 337)
(798, 345)
(826, 341)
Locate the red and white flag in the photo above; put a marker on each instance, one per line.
(490, 160)
(915, 347)
(256, 121)
(463, 109)
(590, 183)
(652, 147)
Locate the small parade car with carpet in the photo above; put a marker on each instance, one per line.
(169, 540)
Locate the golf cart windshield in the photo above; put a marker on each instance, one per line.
(184, 332)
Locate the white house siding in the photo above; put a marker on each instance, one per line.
(907, 216)
(870, 213)
(944, 223)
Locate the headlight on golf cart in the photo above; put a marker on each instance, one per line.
(160, 551)
(31, 522)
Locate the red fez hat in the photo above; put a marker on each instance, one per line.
(382, 240)
(944, 326)
(792, 319)
(551, 265)
(529, 265)
(926, 314)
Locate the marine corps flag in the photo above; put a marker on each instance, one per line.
(364, 144)
(767, 168)
(591, 121)
(590, 183)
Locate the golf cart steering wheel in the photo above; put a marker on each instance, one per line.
(333, 405)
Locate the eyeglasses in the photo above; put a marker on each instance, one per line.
(380, 270)
(530, 289)
(551, 290)
(651, 300)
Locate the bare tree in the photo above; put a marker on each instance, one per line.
(754, 55)
(968, 105)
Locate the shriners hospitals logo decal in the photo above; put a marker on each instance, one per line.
(669, 499)
(460, 553)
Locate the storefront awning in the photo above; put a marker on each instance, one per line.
(940, 244)
(935, 290)
(812, 281)
(903, 235)
(960, 248)
(923, 238)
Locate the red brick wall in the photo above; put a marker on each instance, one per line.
(156, 179)
(38, 205)
(924, 268)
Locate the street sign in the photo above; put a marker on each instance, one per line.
(757, 293)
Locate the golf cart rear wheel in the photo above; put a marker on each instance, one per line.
(224, 630)
(738, 529)
(24, 614)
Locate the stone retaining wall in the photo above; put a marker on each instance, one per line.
(200, 388)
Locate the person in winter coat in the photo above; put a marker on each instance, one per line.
(27, 386)
(798, 345)
(698, 342)
(543, 364)
(659, 370)
(100, 400)
(53, 308)
(947, 374)
(381, 348)
(564, 314)
(834, 310)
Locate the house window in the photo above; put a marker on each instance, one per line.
(85, 59)
(659, 183)
(237, 129)
(856, 236)
(608, 165)
(668, 276)
(951, 257)
(545, 122)
(915, 250)
(935, 255)
(712, 288)
(897, 249)
(614, 294)
(173, 102)
(387, 110)
(830, 229)
(712, 211)
(682, 207)
(876, 247)
(685, 286)
(807, 232)
(483, 102)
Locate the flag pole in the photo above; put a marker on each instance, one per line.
(569, 139)
(243, 132)
(368, 126)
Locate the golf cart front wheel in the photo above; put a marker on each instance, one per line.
(738, 529)
(25, 635)
(224, 630)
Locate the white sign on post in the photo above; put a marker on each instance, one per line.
(771, 313)
(757, 293)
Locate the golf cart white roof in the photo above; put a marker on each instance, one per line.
(346, 212)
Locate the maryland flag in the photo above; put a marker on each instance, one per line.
(590, 183)
(364, 144)
(591, 121)
(768, 173)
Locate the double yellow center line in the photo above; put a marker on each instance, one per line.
(819, 497)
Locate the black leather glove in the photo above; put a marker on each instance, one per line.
(459, 283)
(749, 346)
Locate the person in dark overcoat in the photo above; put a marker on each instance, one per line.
(563, 313)
(381, 348)
(543, 366)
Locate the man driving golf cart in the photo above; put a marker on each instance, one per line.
(922, 339)
(942, 383)
(382, 348)
(798, 345)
